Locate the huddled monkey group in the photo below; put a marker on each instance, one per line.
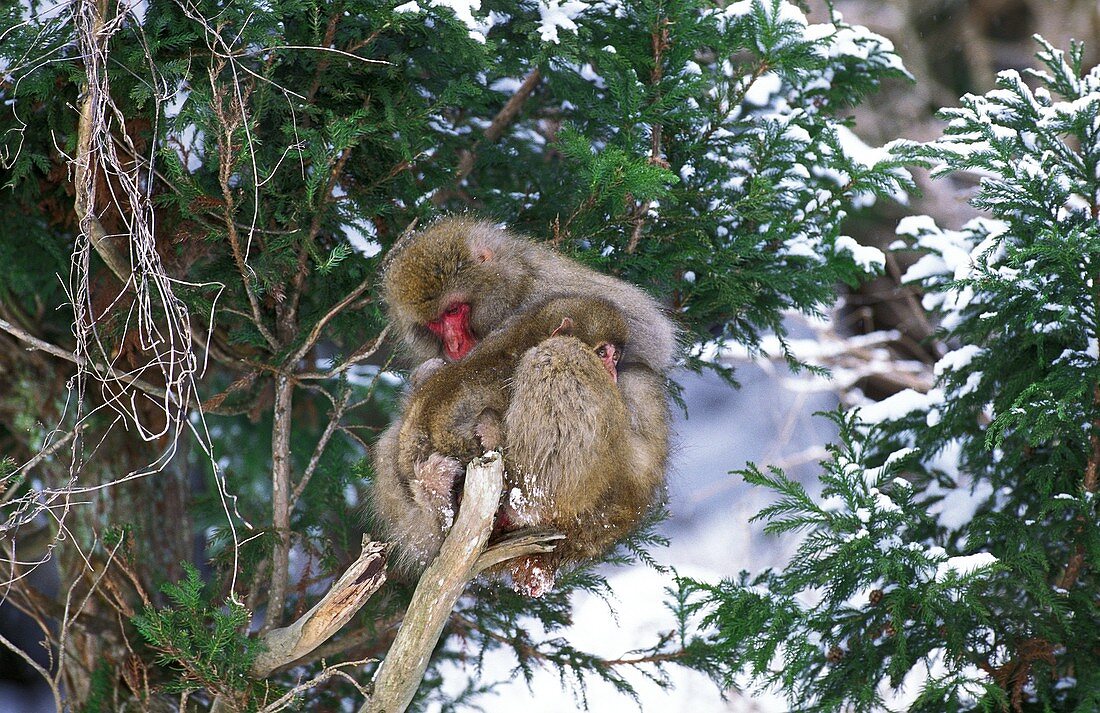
(521, 350)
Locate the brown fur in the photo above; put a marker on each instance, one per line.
(584, 455)
(456, 412)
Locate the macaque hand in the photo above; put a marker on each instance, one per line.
(433, 486)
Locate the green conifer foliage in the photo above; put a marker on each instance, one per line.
(953, 552)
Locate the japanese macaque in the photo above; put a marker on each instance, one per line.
(576, 402)
(460, 279)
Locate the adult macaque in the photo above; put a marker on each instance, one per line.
(573, 462)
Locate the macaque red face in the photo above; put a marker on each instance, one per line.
(453, 329)
(609, 354)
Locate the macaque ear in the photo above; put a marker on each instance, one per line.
(483, 254)
(565, 329)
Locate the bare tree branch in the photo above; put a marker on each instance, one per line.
(342, 53)
(54, 688)
(280, 499)
(315, 333)
(36, 343)
(230, 119)
(504, 117)
(319, 450)
(440, 586)
(518, 544)
(42, 455)
(328, 672)
(364, 352)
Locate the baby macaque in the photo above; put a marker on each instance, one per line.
(584, 432)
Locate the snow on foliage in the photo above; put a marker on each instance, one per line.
(558, 14)
(464, 10)
(871, 259)
(963, 565)
(943, 566)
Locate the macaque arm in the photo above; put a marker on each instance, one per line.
(421, 373)
(416, 531)
(433, 486)
(489, 430)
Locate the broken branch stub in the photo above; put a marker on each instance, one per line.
(518, 544)
(348, 594)
(462, 557)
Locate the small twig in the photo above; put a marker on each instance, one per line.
(43, 455)
(659, 39)
(323, 63)
(227, 161)
(660, 658)
(315, 333)
(54, 688)
(504, 117)
(327, 673)
(511, 109)
(364, 352)
(908, 297)
(319, 450)
(68, 619)
(288, 310)
(531, 650)
(141, 384)
(342, 53)
(36, 343)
